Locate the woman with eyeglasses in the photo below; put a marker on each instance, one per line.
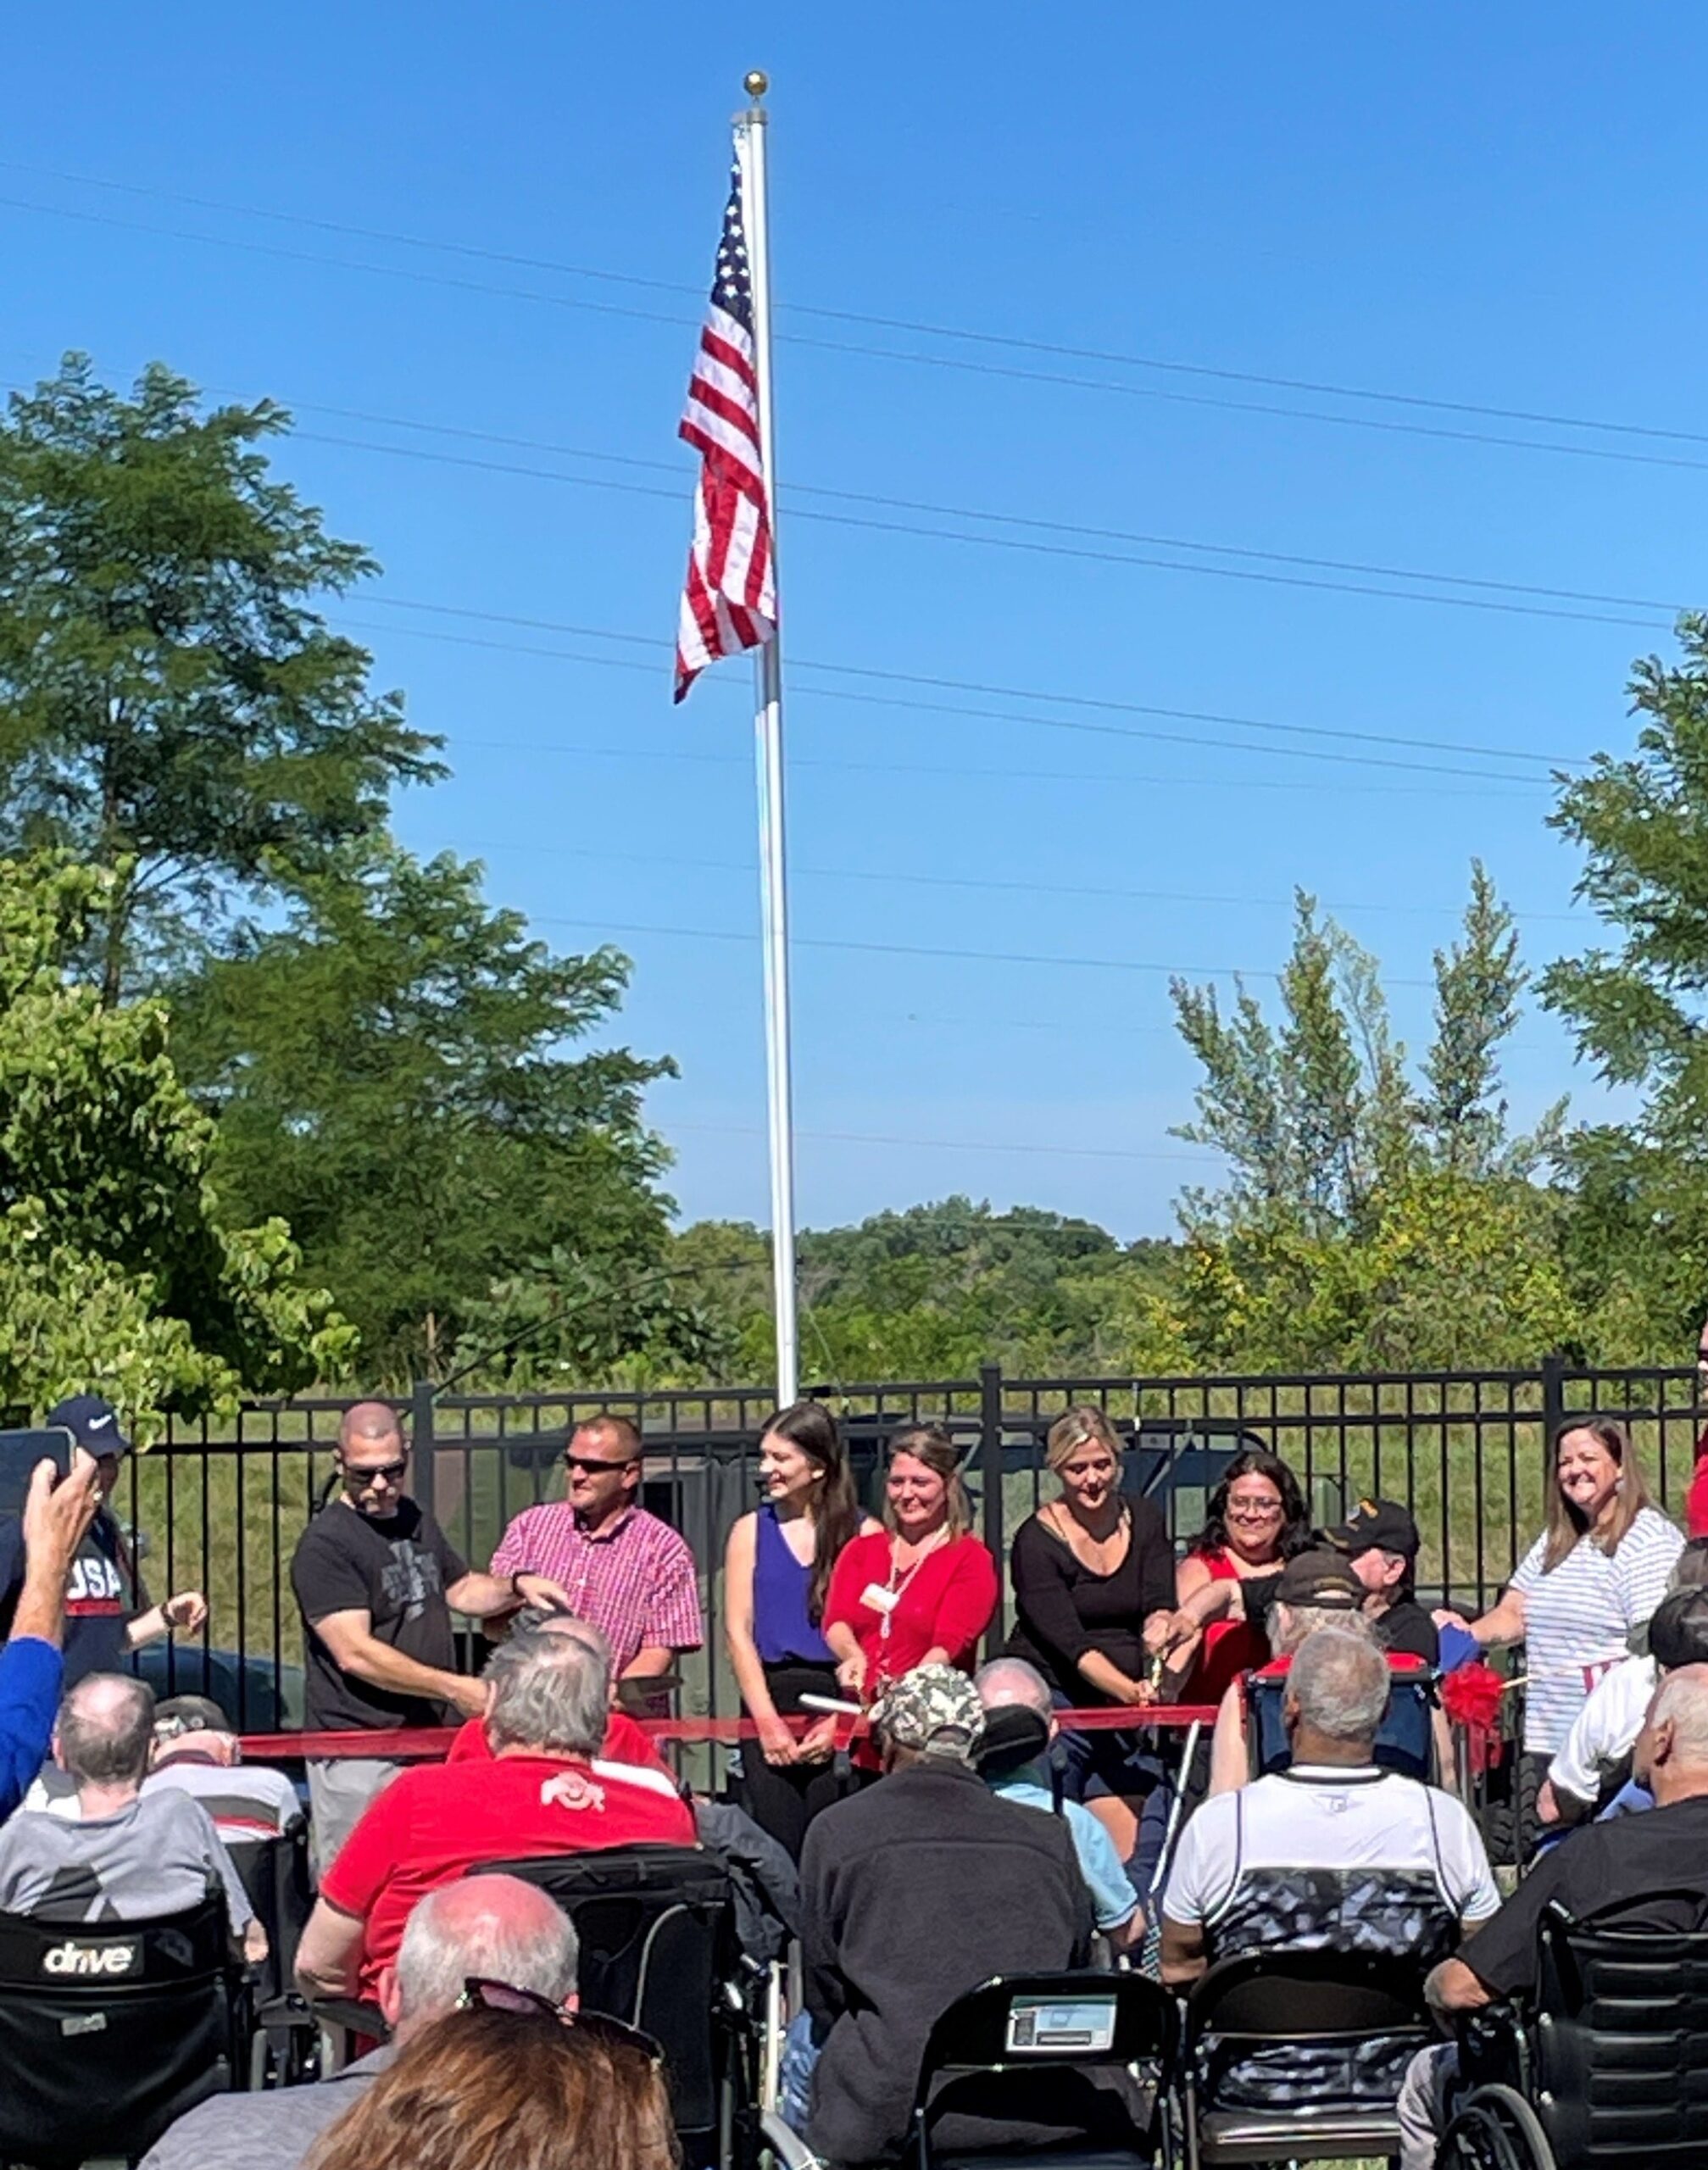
(921, 1590)
(777, 1569)
(507, 2082)
(1257, 1521)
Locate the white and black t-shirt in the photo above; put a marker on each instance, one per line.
(1315, 1858)
(1578, 1615)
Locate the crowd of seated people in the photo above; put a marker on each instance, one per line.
(969, 1834)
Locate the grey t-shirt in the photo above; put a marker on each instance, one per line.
(156, 1855)
(272, 2131)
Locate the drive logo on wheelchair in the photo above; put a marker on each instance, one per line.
(106, 1961)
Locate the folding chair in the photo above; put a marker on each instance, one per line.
(109, 2032)
(1284, 2000)
(1038, 2069)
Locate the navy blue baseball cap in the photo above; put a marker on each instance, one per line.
(93, 1422)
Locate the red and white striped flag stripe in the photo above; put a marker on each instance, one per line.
(729, 600)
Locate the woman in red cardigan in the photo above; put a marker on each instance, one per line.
(919, 1591)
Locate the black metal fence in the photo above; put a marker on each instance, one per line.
(219, 1506)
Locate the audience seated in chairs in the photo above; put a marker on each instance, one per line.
(1014, 1761)
(547, 1790)
(505, 2084)
(196, 1752)
(1335, 1854)
(483, 1929)
(129, 1854)
(914, 1892)
(1636, 1872)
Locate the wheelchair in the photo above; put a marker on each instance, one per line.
(110, 2032)
(1610, 2067)
(659, 1952)
(275, 1873)
(1032, 2072)
(1405, 1740)
(1280, 2001)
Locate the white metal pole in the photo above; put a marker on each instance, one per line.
(768, 733)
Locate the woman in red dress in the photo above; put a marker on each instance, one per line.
(919, 1591)
(1257, 1521)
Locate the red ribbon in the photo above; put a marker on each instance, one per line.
(418, 1743)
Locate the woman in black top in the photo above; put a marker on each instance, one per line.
(1093, 1585)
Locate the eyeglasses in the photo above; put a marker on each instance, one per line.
(592, 1462)
(391, 1470)
(481, 1994)
(1253, 1510)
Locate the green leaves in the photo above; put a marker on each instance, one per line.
(118, 1268)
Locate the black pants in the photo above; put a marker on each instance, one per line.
(784, 1798)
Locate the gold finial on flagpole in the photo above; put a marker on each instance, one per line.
(756, 82)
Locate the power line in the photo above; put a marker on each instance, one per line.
(960, 771)
(1314, 387)
(1010, 542)
(791, 489)
(1017, 693)
(1052, 959)
(889, 878)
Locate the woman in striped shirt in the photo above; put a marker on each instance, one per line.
(1598, 1570)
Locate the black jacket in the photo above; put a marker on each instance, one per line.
(912, 1893)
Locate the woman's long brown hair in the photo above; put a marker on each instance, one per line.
(506, 2091)
(1567, 1522)
(810, 1425)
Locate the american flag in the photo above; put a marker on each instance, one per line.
(729, 602)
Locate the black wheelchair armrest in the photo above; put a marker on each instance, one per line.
(1493, 2046)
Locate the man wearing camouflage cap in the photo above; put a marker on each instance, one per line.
(915, 1892)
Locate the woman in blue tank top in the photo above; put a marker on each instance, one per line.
(777, 1571)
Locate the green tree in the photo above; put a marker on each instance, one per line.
(1370, 1217)
(120, 1266)
(388, 1070)
(171, 707)
(1639, 1013)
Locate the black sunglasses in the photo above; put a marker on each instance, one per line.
(480, 1993)
(388, 1469)
(593, 1461)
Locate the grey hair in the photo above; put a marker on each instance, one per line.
(550, 1693)
(1682, 1697)
(1288, 1625)
(521, 1937)
(541, 1620)
(1012, 1680)
(106, 1729)
(1339, 1684)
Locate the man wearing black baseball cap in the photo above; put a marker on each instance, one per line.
(103, 1623)
(1380, 1540)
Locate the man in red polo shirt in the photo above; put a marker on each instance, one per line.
(547, 1790)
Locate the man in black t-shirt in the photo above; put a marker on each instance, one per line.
(104, 1618)
(1380, 1540)
(377, 1582)
(1636, 1872)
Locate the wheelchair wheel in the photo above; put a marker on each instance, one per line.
(1495, 2129)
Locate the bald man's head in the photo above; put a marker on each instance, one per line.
(1672, 1752)
(105, 1730)
(373, 1459)
(494, 1929)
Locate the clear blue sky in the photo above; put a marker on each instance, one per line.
(1501, 208)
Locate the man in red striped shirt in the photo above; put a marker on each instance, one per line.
(623, 1569)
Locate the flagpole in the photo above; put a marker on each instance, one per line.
(768, 747)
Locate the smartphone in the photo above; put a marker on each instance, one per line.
(20, 1451)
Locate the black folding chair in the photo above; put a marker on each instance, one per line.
(657, 1926)
(1283, 2001)
(1038, 2069)
(1611, 2066)
(109, 2032)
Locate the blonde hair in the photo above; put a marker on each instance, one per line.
(1567, 1524)
(931, 1445)
(1074, 1428)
